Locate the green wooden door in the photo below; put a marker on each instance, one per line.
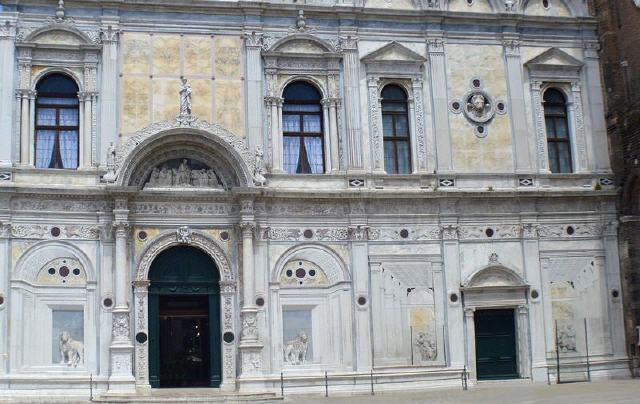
(496, 344)
(184, 320)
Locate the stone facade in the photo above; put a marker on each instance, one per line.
(350, 272)
(621, 71)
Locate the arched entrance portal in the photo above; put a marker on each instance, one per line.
(184, 319)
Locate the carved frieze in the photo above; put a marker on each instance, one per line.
(404, 233)
(573, 230)
(44, 231)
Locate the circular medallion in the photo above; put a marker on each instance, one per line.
(141, 337)
(228, 337)
(478, 107)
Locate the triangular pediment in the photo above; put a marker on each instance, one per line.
(392, 53)
(554, 57)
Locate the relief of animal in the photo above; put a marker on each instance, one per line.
(71, 351)
(295, 351)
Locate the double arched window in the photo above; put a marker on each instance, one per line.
(558, 140)
(395, 124)
(57, 123)
(302, 129)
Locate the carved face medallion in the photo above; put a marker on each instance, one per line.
(479, 106)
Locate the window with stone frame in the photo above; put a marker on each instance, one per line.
(302, 129)
(395, 128)
(557, 127)
(57, 122)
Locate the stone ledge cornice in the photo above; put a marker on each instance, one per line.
(341, 11)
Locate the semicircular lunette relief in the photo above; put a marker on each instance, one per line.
(183, 173)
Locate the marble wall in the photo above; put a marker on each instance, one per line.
(151, 68)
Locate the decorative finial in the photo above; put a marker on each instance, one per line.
(493, 258)
(509, 5)
(302, 21)
(60, 10)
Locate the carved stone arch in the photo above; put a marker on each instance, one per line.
(225, 152)
(575, 8)
(494, 275)
(404, 84)
(324, 257)
(280, 46)
(314, 81)
(60, 70)
(195, 239)
(631, 194)
(83, 38)
(457, 5)
(31, 262)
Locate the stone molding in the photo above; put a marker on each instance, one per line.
(197, 239)
(127, 151)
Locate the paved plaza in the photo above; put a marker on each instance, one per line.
(598, 392)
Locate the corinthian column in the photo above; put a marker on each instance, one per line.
(250, 347)
(121, 349)
(249, 320)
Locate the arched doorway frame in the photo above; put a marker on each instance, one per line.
(185, 236)
(496, 286)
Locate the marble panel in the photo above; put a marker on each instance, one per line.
(198, 58)
(229, 105)
(202, 98)
(493, 153)
(135, 103)
(166, 55)
(228, 56)
(136, 53)
(58, 38)
(165, 99)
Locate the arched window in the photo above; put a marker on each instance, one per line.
(57, 123)
(558, 143)
(395, 124)
(302, 129)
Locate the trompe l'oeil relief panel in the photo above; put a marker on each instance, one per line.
(151, 68)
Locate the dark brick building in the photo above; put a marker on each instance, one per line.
(620, 54)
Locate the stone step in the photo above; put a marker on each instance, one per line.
(186, 396)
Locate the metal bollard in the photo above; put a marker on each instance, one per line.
(326, 384)
(282, 384)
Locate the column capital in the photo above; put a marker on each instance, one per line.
(511, 47)
(469, 312)
(449, 232)
(140, 285)
(247, 228)
(109, 34)
(359, 233)
(253, 40)
(121, 228)
(536, 85)
(5, 230)
(529, 231)
(436, 46)
(348, 43)
(373, 81)
(8, 31)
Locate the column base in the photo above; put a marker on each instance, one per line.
(251, 359)
(121, 379)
